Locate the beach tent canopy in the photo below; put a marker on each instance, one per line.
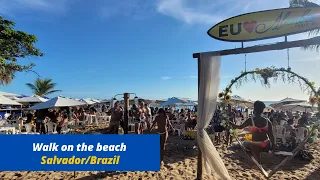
(32, 99)
(7, 101)
(57, 102)
(302, 107)
(173, 101)
(286, 101)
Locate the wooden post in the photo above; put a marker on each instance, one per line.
(199, 170)
(126, 114)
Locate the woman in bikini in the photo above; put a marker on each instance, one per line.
(136, 117)
(261, 128)
(148, 115)
(162, 121)
(142, 116)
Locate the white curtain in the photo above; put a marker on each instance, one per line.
(207, 101)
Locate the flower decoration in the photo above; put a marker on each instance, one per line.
(220, 95)
(227, 97)
(313, 100)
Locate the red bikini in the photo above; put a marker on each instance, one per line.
(253, 128)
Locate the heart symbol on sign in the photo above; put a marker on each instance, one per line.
(249, 26)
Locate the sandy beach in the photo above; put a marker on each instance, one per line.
(181, 163)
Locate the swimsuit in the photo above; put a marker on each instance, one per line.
(253, 128)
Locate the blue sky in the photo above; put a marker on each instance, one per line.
(101, 48)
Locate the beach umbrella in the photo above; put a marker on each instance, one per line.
(7, 101)
(31, 99)
(8, 95)
(302, 107)
(88, 101)
(96, 100)
(190, 103)
(21, 96)
(286, 101)
(173, 101)
(57, 102)
(240, 101)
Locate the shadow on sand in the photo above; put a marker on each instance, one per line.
(177, 150)
(315, 175)
(269, 160)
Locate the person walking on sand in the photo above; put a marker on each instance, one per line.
(162, 121)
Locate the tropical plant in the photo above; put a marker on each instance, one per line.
(306, 3)
(15, 44)
(43, 87)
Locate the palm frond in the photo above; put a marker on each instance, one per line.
(42, 87)
(31, 86)
(53, 91)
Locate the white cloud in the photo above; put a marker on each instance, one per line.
(210, 12)
(136, 9)
(14, 7)
(165, 78)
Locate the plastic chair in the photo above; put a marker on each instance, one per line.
(51, 128)
(280, 133)
(65, 129)
(301, 134)
(180, 130)
(28, 129)
(283, 122)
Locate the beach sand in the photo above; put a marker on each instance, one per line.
(181, 163)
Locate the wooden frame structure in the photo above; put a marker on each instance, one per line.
(252, 49)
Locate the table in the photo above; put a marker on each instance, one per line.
(192, 133)
(12, 129)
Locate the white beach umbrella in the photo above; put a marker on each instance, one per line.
(7, 101)
(286, 101)
(240, 101)
(57, 102)
(31, 99)
(6, 94)
(302, 107)
(88, 101)
(96, 100)
(190, 103)
(173, 101)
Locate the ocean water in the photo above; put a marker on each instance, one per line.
(267, 103)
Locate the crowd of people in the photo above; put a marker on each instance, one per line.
(146, 118)
(60, 117)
